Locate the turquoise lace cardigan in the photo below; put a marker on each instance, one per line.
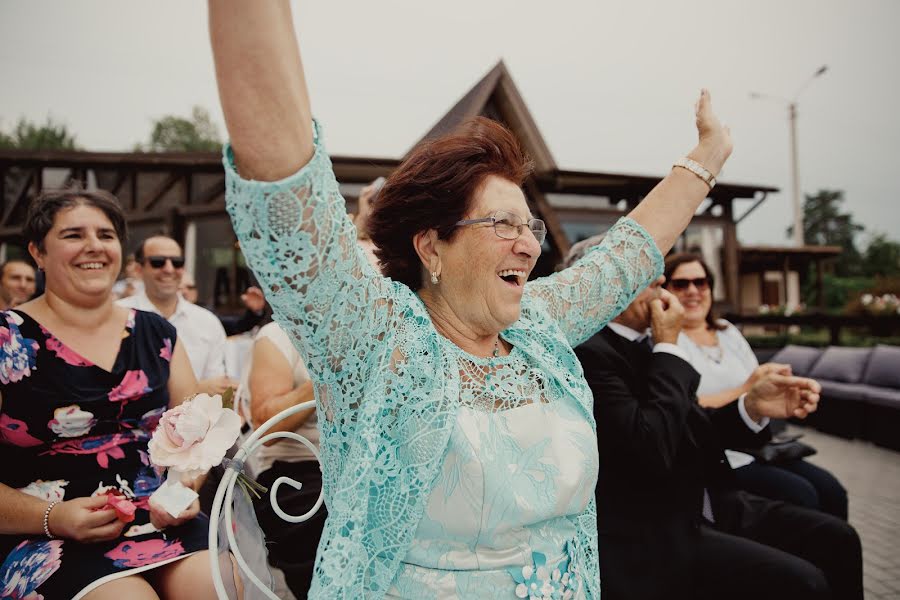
(386, 391)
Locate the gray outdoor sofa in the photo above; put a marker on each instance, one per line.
(860, 389)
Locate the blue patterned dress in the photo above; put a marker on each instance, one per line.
(70, 429)
(402, 410)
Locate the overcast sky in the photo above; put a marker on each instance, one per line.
(611, 85)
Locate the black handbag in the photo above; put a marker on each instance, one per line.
(781, 448)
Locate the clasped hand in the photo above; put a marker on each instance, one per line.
(85, 520)
(90, 519)
(780, 395)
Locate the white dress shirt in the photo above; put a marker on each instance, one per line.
(200, 332)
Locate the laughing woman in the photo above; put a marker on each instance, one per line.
(84, 383)
(458, 445)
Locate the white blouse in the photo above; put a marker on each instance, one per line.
(724, 366)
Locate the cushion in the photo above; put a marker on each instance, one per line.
(880, 396)
(833, 390)
(801, 358)
(841, 364)
(884, 367)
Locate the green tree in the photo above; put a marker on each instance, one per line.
(27, 135)
(825, 225)
(178, 134)
(882, 257)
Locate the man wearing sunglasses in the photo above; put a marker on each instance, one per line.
(160, 265)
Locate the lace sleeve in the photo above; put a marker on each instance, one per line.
(296, 236)
(585, 297)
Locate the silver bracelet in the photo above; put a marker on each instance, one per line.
(697, 169)
(47, 519)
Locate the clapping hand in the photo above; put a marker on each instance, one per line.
(782, 396)
(761, 371)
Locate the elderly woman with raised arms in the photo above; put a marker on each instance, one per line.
(458, 445)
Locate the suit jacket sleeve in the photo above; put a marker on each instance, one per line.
(732, 431)
(640, 409)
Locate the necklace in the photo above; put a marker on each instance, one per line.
(496, 351)
(713, 353)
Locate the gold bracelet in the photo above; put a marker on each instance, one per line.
(697, 169)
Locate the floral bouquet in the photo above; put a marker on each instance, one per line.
(191, 439)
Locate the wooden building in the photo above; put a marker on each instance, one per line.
(182, 194)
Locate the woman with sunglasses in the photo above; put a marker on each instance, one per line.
(458, 445)
(728, 368)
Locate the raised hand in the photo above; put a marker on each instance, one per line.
(253, 299)
(715, 139)
(85, 520)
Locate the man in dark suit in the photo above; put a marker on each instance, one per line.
(671, 524)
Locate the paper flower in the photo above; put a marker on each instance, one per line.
(193, 438)
(123, 506)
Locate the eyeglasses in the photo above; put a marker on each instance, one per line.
(701, 283)
(158, 262)
(509, 226)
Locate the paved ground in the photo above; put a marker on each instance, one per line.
(872, 477)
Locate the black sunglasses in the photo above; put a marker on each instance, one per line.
(158, 262)
(701, 283)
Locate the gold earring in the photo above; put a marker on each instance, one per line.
(434, 278)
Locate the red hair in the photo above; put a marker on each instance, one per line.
(434, 188)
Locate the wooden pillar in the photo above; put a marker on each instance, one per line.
(38, 183)
(834, 332)
(2, 192)
(762, 286)
(134, 190)
(175, 225)
(820, 287)
(730, 255)
(188, 187)
(785, 273)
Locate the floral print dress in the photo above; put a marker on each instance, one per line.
(69, 429)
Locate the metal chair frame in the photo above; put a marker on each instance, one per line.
(223, 500)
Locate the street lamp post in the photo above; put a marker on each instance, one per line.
(795, 177)
(795, 162)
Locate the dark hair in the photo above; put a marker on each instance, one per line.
(42, 212)
(434, 188)
(139, 251)
(674, 261)
(13, 261)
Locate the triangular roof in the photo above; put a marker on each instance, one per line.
(497, 97)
